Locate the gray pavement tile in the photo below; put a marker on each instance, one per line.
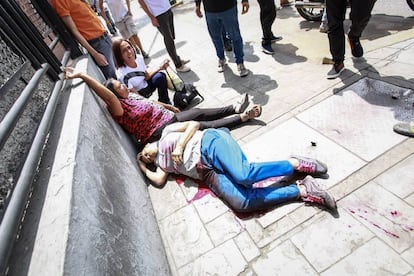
(185, 236)
(168, 199)
(294, 138)
(283, 260)
(327, 240)
(408, 256)
(223, 228)
(209, 207)
(373, 258)
(386, 215)
(225, 259)
(396, 178)
(246, 245)
(360, 111)
(410, 199)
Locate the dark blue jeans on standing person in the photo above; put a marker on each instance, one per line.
(158, 81)
(359, 15)
(103, 45)
(166, 28)
(228, 19)
(267, 18)
(231, 177)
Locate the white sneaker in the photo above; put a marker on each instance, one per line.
(183, 69)
(242, 70)
(221, 65)
(184, 61)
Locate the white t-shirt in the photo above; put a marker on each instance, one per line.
(137, 82)
(117, 9)
(158, 7)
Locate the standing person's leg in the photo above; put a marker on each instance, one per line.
(336, 10)
(360, 15)
(231, 24)
(104, 46)
(159, 81)
(221, 151)
(267, 18)
(166, 28)
(215, 27)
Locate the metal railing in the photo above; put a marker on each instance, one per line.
(33, 36)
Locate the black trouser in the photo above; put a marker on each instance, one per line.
(166, 28)
(267, 17)
(360, 15)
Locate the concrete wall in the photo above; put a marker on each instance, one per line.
(96, 217)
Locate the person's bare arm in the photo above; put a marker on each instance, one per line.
(103, 13)
(159, 177)
(114, 105)
(144, 6)
(98, 57)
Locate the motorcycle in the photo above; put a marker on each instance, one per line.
(312, 10)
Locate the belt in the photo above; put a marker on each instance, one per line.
(105, 34)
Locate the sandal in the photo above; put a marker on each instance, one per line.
(406, 129)
(254, 112)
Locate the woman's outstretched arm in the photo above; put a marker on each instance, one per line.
(114, 105)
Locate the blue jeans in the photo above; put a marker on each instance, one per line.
(158, 81)
(104, 46)
(231, 177)
(228, 19)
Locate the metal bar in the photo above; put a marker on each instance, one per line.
(14, 211)
(11, 118)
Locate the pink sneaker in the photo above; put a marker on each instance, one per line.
(315, 194)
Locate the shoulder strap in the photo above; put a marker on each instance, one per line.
(133, 74)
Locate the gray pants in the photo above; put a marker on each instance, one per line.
(166, 28)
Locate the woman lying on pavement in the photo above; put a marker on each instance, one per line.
(145, 119)
(215, 157)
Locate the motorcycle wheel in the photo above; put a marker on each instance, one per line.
(314, 14)
(411, 4)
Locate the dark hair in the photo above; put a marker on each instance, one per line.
(116, 49)
(110, 85)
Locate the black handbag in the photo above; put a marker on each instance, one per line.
(183, 98)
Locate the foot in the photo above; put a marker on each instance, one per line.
(336, 70)
(323, 28)
(221, 65)
(254, 112)
(356, 47)
(406, 129)
(276, 38)
(241, 104)
(242, 70)
(267, 49)
(183, 69)
(184, 61)
(315, 194)
(310, 166)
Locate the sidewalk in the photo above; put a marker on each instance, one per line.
(350, 119)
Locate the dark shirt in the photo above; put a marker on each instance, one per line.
(217, 5)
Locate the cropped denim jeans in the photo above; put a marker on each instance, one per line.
(229, 20)
(231, 177)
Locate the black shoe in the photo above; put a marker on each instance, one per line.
(336, 70)
(227, 46)
(276, 38)
(356, 47)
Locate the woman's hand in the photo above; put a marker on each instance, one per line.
(164, 64)
(141, 163)
(177, 155)
(70, 73)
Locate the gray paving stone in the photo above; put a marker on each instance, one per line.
(410, 199)
(390, 218)
(246, 245)
(283, 260)
(408, 256)
(225, 259)
(396, 179)
(373, 258)
(327, 240)
(378, 111)
(210, 207)
(185, 236)
(224, 228)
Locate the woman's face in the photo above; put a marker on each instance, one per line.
(149, 153)
(120, 89)
(127, 51)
